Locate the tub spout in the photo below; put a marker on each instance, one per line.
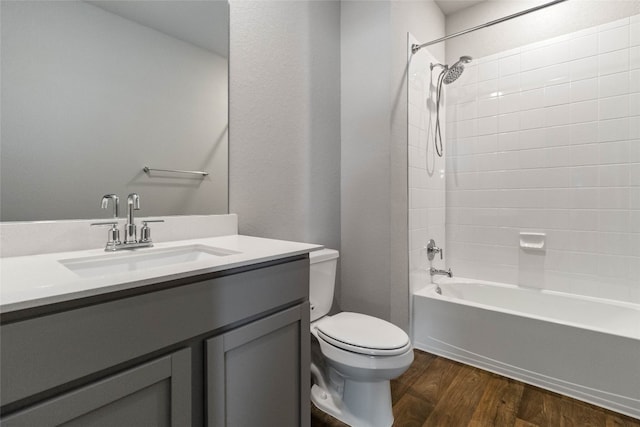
(435, 271)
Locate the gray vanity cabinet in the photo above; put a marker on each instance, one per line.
(157, 393)
(228, 348)
(255, 373)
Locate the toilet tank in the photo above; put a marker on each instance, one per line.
(322, 281)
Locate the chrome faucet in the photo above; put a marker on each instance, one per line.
(130, 239)
(133, 204)
(435, 271)
(432, 250)
(116, 203)
(113, 239)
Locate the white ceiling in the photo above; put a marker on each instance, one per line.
(451, 6)
(202, 23)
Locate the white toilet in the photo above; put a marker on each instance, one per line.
(355, 355)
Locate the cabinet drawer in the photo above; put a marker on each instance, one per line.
(45, 352)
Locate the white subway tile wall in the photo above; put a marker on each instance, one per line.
(426, 170)
(544, 138)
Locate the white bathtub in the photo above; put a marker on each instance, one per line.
(586, 348)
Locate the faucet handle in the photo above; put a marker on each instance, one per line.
(113, 236)
(112, 223)
(145, 231)
(432, 250)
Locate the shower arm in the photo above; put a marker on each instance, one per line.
(416, 47)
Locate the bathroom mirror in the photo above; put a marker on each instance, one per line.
(94, 91)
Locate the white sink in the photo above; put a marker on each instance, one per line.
(142, 259)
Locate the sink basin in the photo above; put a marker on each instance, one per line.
(142, 259)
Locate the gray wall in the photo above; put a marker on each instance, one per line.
(365, 151)
(89, 98)
(374, 151)
(319, 131)
(284, 118)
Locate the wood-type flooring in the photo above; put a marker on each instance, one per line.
(439, 392)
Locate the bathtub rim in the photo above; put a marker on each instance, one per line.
(429, 291)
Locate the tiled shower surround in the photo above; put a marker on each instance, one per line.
(546, 138)
(426, 169)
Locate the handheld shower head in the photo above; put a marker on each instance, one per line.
(447, 75)
(455, 71)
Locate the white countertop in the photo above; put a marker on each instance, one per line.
(37, 280)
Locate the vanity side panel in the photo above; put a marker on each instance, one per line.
(49, 351)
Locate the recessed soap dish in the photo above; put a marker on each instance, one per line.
(532, 241)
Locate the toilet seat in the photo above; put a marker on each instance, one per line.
(362, 334)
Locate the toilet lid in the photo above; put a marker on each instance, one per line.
(363, 334)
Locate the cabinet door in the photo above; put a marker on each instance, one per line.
(258, 375)
(157, 393)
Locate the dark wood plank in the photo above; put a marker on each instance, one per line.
(411, 411)
(540, 407)
(522, 423)
(439, 392)
(420, 364)
(459, 401)
(499, 403)
(619, 420)
(578, 414)
(434, 382)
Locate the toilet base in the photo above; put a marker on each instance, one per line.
(362, 404)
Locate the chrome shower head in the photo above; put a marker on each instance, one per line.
(452, 73)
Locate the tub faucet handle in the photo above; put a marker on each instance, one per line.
(432, 250)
